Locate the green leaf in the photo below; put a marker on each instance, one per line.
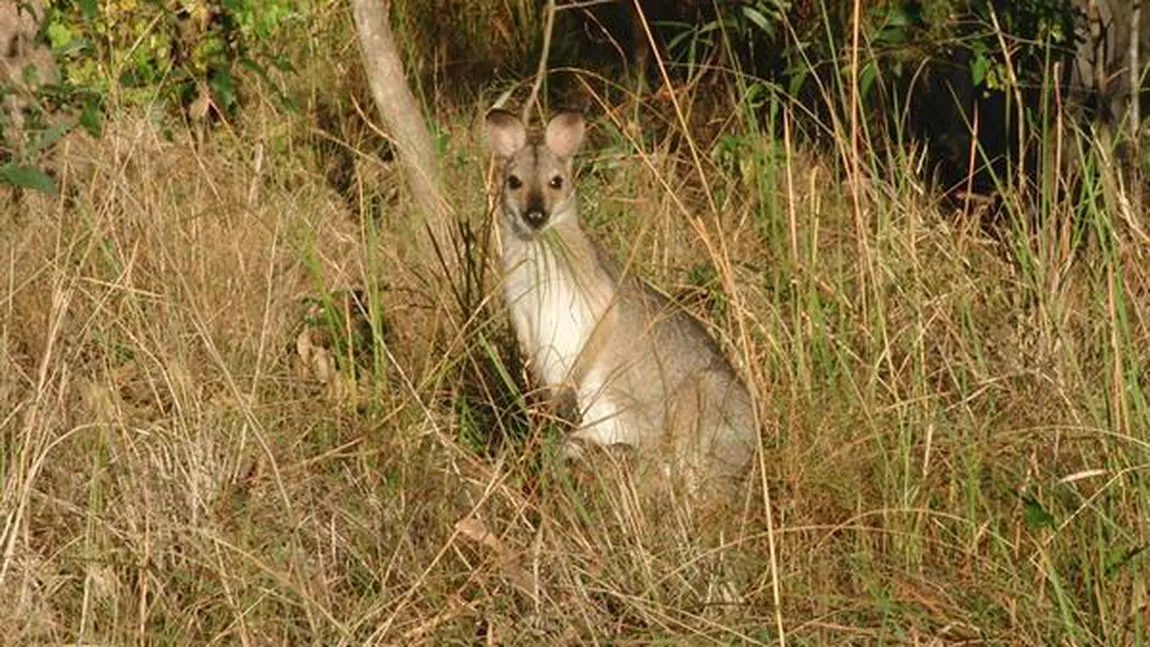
(761, 21)
(92, 118)
(1035, 515)
(900, 16)
(90, 8)
(224, 88)
(28, 177)
(1118, 558)
(798, 78)
(60, 35)
(866, 78)
(978, 69)
(892, 36)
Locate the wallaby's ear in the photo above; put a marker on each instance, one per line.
(505, 132)
(564, 133)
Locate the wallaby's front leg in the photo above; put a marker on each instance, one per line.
(563, 404)
(601, 418)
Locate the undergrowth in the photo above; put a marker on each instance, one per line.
(953, 405)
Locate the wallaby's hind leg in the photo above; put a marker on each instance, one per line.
(704, 424)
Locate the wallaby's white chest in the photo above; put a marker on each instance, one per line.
(553, 308)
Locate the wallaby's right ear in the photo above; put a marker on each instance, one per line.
(505, 133)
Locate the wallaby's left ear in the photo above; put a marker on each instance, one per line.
(564, 133)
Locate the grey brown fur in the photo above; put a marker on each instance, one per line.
(643, 372)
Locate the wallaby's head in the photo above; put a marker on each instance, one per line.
(538, 180)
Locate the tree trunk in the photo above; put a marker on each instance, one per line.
(427, 251)
(403, 121)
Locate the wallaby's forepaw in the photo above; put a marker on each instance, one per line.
(564, 405)
(573, 449)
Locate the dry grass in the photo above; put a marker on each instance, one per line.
(954, 444)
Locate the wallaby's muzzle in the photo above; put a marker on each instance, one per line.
(535, 215)
(535, 218)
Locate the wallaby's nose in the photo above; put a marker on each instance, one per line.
(535, 218)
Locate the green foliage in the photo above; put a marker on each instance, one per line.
(976, 31)
(1035, 515)
(28, 177)
(899, 33)
(146, 51)
(1030, 28)
(742, 23)
(149, 53)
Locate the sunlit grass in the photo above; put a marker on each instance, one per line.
(953, 408)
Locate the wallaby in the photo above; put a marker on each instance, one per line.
(643, 372)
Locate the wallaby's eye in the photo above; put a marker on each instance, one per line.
(556, 183)
(513, 182)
